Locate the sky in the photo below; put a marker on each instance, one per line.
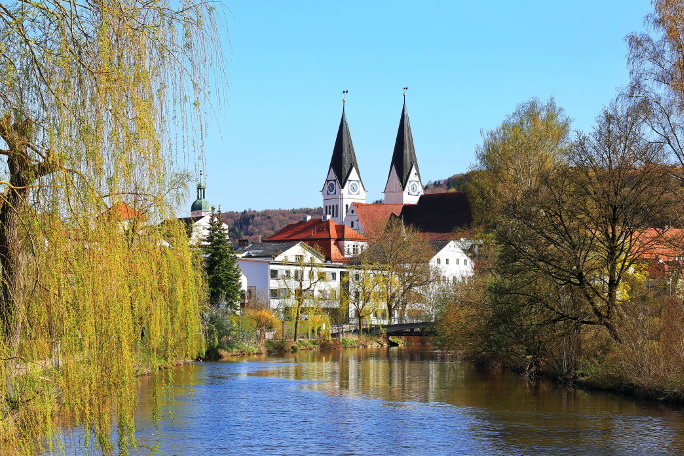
(467, 65)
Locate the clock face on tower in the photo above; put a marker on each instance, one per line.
(354, 188)
(413, 188)
(330, 188)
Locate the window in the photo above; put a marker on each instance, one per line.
(297, 275)
(346, 209)
(312, 274)
(446, 261)
(274, 293)
(287, 273)
(274, 273)
(457, 260)
(299, 258)
(352, 224)
(322, 276)
(355, 249)
(357, 295)
(439, 261)
(333, 276)
(357, 277)
(465, 262)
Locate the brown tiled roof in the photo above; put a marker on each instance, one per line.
(439, 215)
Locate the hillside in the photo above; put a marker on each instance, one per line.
(457, 182)
(256, 225)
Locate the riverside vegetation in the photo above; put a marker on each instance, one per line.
(564, 286)
(100, 102)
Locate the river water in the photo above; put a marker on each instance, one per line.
(399, 401)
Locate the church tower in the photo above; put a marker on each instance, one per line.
(343, 185)
(403, 182)
(200, 207)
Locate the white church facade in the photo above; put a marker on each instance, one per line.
(343, 186)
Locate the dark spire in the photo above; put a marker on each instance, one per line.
(343, 159)
(404, 152)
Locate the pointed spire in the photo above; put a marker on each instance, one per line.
(404, 152)
(343, 159)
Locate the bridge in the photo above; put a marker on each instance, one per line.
(418, 328)
(420, 325)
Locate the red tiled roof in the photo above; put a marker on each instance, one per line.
(122, 211)
(321, 234)
(373, 217)
(661, 249)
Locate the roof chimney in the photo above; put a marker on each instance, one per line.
(306, 218)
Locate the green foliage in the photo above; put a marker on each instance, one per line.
(93, 290)
(279, 346)
(515, 155)
(220, 264)
(219, 332)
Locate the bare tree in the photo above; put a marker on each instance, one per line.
(570, 243)
(401, 257)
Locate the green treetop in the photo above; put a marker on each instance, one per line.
(220, 264)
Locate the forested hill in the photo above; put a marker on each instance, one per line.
(457, 183)
(256, 225)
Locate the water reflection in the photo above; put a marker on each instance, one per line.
(381, 401)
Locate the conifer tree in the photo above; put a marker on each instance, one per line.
(220, 264)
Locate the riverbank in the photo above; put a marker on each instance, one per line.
(276, 346)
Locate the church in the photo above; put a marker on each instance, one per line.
(348, 224)
(344, 193)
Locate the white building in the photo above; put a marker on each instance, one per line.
(451, 263)
(200, 217)
(343, 185)
(404, 185)
(275, 271)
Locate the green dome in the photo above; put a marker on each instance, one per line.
(200, 204)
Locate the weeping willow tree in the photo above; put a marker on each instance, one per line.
(100, 101)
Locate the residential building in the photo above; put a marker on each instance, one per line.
(276, 272)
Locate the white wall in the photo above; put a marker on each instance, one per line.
(452, 263)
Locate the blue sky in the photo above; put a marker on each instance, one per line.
(467, 66)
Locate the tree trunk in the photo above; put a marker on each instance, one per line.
(12, 260)
(23, 172)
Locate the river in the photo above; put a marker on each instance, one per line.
(399, 401)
